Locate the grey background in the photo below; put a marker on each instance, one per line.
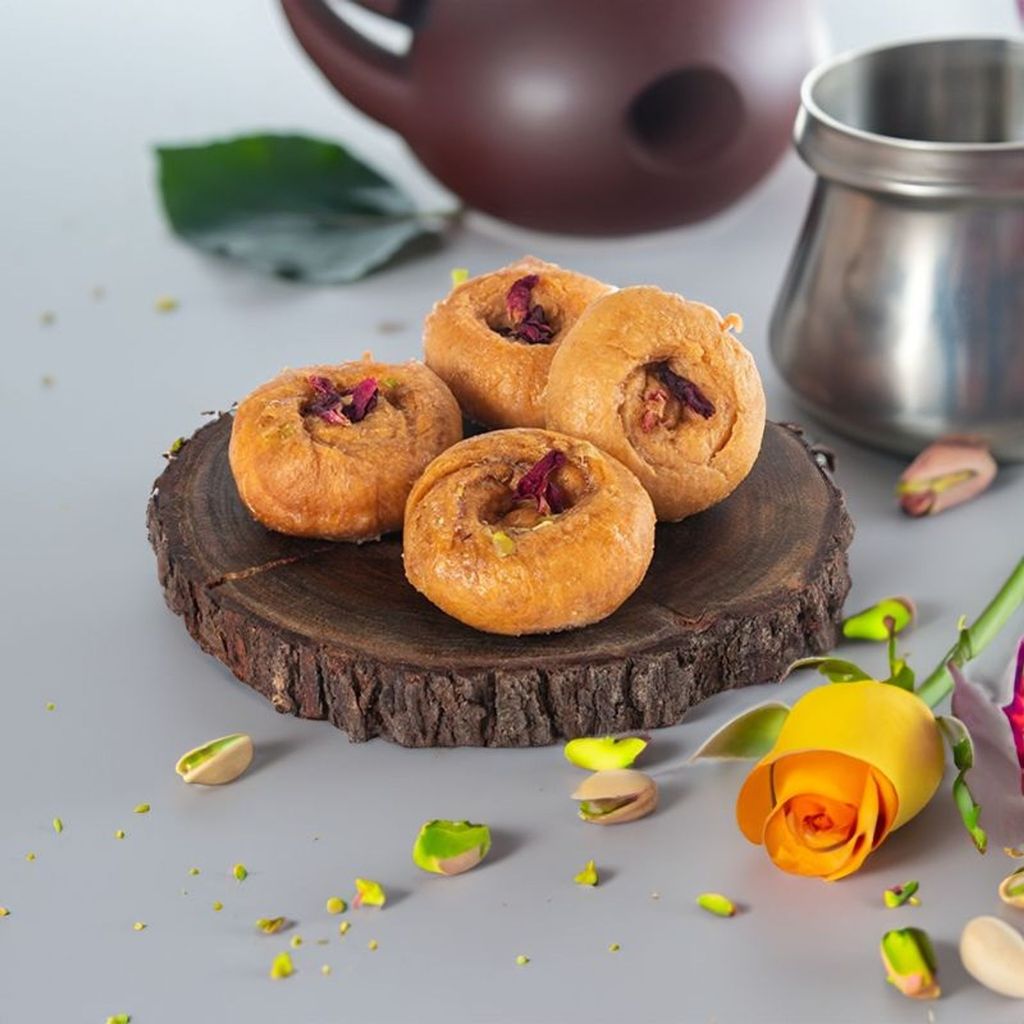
(86, 89)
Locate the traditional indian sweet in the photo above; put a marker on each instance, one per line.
(492, 338)
(662, 384)
(527, 531)
(332, 451)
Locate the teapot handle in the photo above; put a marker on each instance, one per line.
(373, 79)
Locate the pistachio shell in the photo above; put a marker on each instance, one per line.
(217, 762)
(616, 796)
(1011, 889)
(451, 847)
(993, 954)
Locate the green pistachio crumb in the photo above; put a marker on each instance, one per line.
(281, 967)
(336, 905)
(50, 706)
(614, 948)
(325, 969)
(217, 905)
(344, 927)
(139, 926)
(717, 904)
(4, 912)
(119, 834)
(141, 809)
(58, 826)
(295, 941)
(30, 856)
(372, 944)
(165, 304)
(240, 872)
(193, 871)
(270, 925)
(47, 317)
(120, 1018)
(522, 960)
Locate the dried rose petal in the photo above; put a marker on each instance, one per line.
(536, 483)
(529, 322)
(686, 392)
(329, 402)
(654, 410)
(364, 398)
(517, 301)
(1014, 711)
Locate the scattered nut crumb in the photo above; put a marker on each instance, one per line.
(165, 304)
(614, 948)
(141, 809)
(326, 969)
(99, 292)
(58, 826)
(120, 1018)
(240, 872)
(193, 871)
(390, 326)
(295, 941)
(4, 912)
(119, 834)
(217, 905)
(30, 856)
(336, 905)
(47, 317)
(282, 966)
(50, 706)
(139, 926)
(270, 925)
(372, 944)
(522, 959)
(344, 927)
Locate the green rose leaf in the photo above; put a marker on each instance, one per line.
(296, 207)
(749, 735)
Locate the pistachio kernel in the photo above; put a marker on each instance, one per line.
(910, 963)
(616, 796)
(450, 847)
(282, 967)
(217, 762)
(1011, 889)
(717, 904)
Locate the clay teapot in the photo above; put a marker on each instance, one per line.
(579, 116)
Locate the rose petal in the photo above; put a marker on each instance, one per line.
(686, 392)
(536, 483)
(1014, 711)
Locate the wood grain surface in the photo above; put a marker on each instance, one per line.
(333, 630)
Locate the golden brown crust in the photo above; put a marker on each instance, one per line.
(300, 475)
(555, 572)
(604, 385)
(499, 381)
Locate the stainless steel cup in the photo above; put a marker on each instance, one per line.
(902, 314)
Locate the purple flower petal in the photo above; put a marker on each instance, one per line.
(340, 407)
(529, 321)
(995, 779)
(537, 484)
(517, 301)
(364, 398)
(1014, 711)
(686, 392)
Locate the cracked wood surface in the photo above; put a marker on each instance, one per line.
(334, 631)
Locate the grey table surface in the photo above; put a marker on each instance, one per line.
(88, 403)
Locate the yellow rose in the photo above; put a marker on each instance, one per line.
(852, 762)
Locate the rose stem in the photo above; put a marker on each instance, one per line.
(1010, 597)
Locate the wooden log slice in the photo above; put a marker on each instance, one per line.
(334, 630)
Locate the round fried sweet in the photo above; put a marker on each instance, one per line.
(333, 451)
(527, 531)
(491, 340)
(663, 385)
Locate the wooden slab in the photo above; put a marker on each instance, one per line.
(334, 630)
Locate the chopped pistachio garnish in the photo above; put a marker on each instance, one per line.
(325, 969)
(323, 942)
(614, 948)
(504, 545)
(588, 876)
(120, 1018)
(219, 761)
(119, 834)
(165, 304)
(240, 872)
(450, 847)
(217, 905)
(372, 944)
(270, 925)
(4, 912)
(344, 927)
(522, 959)
(896, 895)
(47, 317)
(369, 893)
(58, 826)
(50, 706)
(605, 752)
(460, 275)
(141, 809)
(295, 941)
(717, 904)
(281, 967)
(30, 856)
(139, 926)
(336, 905)
(193, 871)
(390, 382)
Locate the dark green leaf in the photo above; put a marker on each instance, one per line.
(959, 739)
(287, 205)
